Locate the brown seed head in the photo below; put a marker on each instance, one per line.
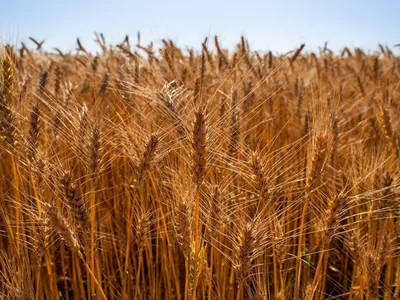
(199, 145)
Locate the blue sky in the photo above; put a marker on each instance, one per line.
(268, 25)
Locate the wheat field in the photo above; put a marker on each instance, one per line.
(149, 172)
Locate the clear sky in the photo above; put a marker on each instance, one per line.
(268, 25)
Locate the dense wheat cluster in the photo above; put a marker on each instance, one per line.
(169, 173)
